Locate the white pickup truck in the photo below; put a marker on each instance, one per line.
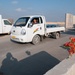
(5, 25)
(33, 29)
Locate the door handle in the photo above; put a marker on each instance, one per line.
(13, 30)
(40, 28)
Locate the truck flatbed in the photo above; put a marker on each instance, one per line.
(54, 28)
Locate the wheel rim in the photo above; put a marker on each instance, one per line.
(57, 35)
(36, 39)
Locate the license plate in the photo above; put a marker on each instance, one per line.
(13, 37)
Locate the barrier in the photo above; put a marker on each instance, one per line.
(66, 67)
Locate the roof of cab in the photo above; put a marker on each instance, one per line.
(33, 16)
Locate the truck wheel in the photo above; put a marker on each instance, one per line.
(36, 39)
(57, 35)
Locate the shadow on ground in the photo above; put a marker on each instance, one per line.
(1, 35)
(18, 42)
(37, 64)
(70, 32)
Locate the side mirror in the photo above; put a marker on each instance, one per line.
(30, 25)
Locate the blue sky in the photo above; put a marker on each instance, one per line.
(53, 10)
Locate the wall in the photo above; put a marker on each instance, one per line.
(69, 20)
(73, 19)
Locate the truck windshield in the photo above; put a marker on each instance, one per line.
(22, 21)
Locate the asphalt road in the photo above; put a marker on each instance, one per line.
(28, 59)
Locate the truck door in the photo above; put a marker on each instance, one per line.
(6, 26)
(35, 29)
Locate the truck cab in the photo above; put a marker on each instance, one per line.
(5, 25)
(26, 30)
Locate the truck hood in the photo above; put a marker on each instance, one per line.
(16, 30)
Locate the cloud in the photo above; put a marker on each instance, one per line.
(23, 9)
(15, 2)
(20, 10)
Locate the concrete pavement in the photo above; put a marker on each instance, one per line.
(31, 59)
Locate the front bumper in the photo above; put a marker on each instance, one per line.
(19, 38)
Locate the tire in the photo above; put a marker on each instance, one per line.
(57, 35)
(36, 39)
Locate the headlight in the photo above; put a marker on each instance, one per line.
(23, 32)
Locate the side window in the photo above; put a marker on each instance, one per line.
(7, 22)
(35, 21)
